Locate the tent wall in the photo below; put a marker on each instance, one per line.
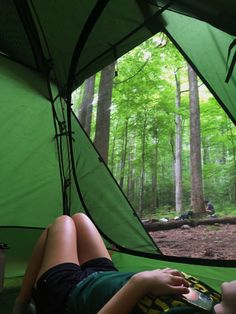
(103, 199)
(57, 22)
(206, 48)
(218, 13)
(31, 185)
(213, 276)
(30, 194)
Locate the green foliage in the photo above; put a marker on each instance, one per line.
(226, 210)
(144, 94)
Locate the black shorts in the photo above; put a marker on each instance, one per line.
(54, 286)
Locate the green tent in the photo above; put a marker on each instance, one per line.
(48, 164)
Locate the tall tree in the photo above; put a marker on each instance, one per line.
(178, 149)
(206, 151)
(131, 178)
(86, 108)
(124, 153)
(154, 189)
(101, 140)
(231, 136)
(142, 178)
(113, 144)
(197, 200)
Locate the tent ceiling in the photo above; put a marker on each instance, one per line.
(44, 34)
(219, 13)
(56, 28)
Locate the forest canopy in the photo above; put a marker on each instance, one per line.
(141, 111)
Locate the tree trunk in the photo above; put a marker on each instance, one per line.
(178, 151)
(171, 189)
(112, 151)
(153, 225)
(86, 108)
(130, 179)
(206, 153)
(142, 178)
(197, 200)
(155, 199)
(124, 153)
(101, 140)
(232, 139)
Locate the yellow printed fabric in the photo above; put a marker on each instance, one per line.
(158, 305)
(174, 304)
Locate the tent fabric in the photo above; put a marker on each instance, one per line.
(14, 41)
(213, 276)
(218, 13)
(203, 41)
(47, 49)
(29, 186)
(104, 199)
(55, 22)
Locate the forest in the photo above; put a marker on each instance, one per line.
(167, 141)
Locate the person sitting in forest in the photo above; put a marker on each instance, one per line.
(210, 210)
(71, 271)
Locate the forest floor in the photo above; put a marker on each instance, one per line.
(216, 241)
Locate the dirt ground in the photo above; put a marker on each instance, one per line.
(213, 242)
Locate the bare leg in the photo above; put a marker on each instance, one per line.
(89, 242)
(56, 245)
(61, 243)
(61, 246)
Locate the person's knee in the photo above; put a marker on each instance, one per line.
(63, 219)
(61, 224)
(80, 217)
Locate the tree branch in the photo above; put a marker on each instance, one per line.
(129, 78)
(187, 90)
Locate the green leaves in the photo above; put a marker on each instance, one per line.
(143, 101)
